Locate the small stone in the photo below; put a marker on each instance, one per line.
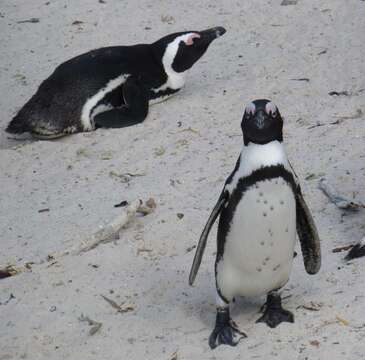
(264, 213)
(267, 258)
(288, 2)
(281, 202)
(258, 269)
(265, 201)
(271, 208)
(180, 215)
(286, 230)
(260, 193)
(52, 308)
(151, 203)
(262, 243)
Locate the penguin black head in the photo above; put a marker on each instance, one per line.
(262, 123)
(178, 52)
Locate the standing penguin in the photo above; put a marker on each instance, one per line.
(118, 83)
(261, 208)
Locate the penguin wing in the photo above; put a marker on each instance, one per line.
(204, 236)
(308, 235)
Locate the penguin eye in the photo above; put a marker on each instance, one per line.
(271, 109)
(250, 109)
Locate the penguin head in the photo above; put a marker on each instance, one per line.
(262, 123)
(178, 52)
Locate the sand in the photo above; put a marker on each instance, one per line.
(55, 195)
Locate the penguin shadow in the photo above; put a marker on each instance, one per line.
(10, 141)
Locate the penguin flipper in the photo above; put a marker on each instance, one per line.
(133, 112)
(308, 236)
(204, 236)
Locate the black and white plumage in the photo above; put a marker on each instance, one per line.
(261, 209)
(112, 86)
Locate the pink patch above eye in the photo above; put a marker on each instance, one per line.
(270, 108)
(190, 39)
(250, 109)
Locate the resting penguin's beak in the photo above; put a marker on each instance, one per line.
(207, 36)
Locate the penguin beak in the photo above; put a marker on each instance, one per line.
(260, 119)
(207, 36)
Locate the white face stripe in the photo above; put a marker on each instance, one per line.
(175, 80)
(250, 109)
(270, 108)
(93, 100)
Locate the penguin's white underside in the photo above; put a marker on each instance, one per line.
(260, 243)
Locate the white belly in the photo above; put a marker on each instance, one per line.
(260, 243)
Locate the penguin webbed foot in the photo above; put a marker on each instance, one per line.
(356, 252)
(225, 331)
(274, 314)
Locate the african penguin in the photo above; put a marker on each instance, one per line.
(261, 208)
(112, 86)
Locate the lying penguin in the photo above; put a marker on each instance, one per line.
(261, 208)
(111, 87)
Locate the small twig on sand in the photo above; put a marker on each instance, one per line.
(338, 200)
(311, 306)
(342, 248)
(111, 231)
(120, 308)
(95, 326)
(340, 119)
(174, 356)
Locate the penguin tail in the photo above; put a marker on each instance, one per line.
(18, 125)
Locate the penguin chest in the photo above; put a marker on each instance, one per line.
(260, 240)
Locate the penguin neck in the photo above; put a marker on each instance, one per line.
(175, 80)
(256, 156)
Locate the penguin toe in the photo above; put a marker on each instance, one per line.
(357, 251)
(226, 335)
(273, 317)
